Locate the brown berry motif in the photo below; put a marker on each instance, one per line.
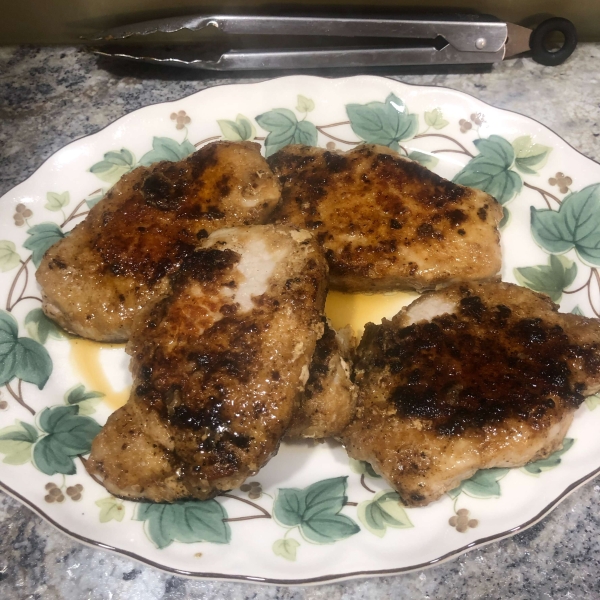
(3, 403)
(253, 488)
(461, 522)
(22, 213)
(55, 493)
(476, 119)
(464, 125)
(181, 119)
(562, 181)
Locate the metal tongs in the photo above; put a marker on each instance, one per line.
(385, 41)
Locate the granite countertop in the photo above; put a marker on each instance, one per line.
(52, 96)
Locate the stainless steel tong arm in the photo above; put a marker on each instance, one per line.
(464, 36)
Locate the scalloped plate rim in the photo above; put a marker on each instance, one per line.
(314, 580)
(324, 578)
(288, 77)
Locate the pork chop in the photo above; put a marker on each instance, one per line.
(216, 372)
(95, 280)
(471, 377)
(386, 222)
(329, 400)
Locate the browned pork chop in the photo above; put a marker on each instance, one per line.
(329, 400)
(97, 279)
(471, 377)
(386, 222)
(218, 367)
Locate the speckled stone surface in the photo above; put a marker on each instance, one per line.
(51, 96)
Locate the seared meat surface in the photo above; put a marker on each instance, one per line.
(218, 366)
(386, 222)
(96, 280)
(471, 377)
(329, 400)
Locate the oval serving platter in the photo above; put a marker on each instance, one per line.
(56, 391)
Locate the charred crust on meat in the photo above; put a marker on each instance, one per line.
(401, 171)
(57, 262)
(385, 193)
(208, 417)
(456, 217)
(223, 185)
(445, 374)
(472, 307)
(313, 224)
(161, 193)
(228, 309)
(319, 366)
(208, 264)
(335, 163)
(213, 213)
(426, 230)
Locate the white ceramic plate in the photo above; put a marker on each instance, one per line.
(56, 391)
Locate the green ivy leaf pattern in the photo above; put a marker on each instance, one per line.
(550, 279)
(187, 522)
(93, 200)
(305, 105)
(383, 511)
(577, 311)
(576, 224)
(68, 435)
(164, 148)
(42, 237)
(545, 464)
(490, 171)
(386, 123)
(592, 402)
(504, 221)
(529, 157)
(87, 401)
(16, 442)
(316, 511)
(20, 356)
(113, 166)
(239, 130)
(286, 548)
(284, 129)
(423, 158)
(362, 467)
(484, 484)
(111, 509)
(40, 327)
(9, 258)
(9, 329)
(56, 202)
(435, 118)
